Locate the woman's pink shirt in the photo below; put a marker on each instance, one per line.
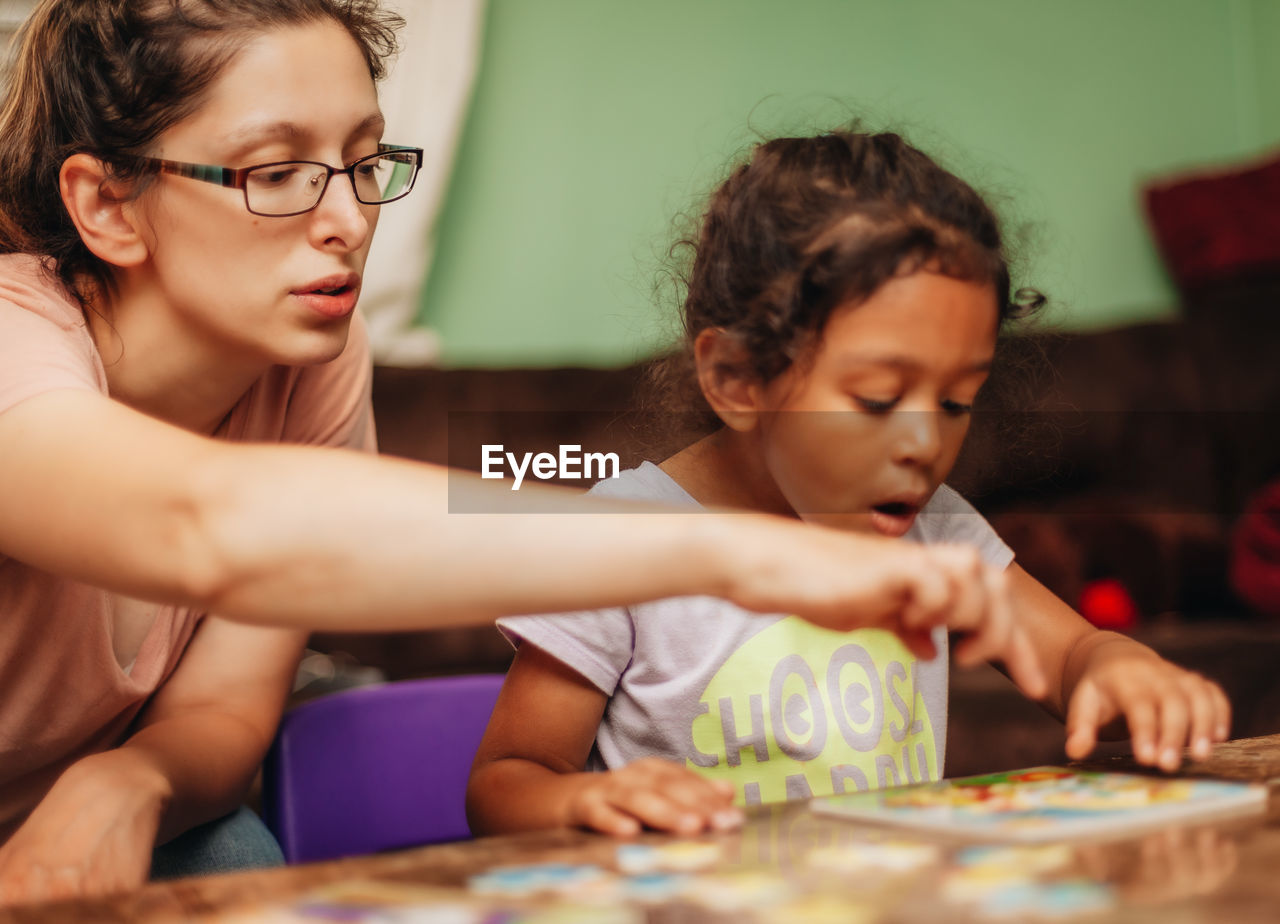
(63, 695)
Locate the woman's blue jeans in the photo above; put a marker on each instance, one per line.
(237, 841)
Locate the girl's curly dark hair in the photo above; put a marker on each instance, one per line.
(810, 224)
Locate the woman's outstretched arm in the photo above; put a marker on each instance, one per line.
(334, 539)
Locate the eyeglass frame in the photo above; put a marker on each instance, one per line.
(237, 177)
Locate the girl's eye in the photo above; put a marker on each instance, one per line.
(955, 408)
(875, 405)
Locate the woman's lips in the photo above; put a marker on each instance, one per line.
(333, 297)
(336, 304)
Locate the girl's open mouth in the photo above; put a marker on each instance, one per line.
(893, 518)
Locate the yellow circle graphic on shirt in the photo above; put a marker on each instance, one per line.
(803, 711)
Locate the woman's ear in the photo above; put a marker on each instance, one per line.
(724, 374)
(101, 212)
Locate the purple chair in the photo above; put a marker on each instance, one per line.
(376, 768)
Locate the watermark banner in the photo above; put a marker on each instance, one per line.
(1060, 463)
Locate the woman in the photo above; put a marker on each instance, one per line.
(187, 194)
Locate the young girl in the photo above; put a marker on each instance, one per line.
(842, 315)
(188, 190)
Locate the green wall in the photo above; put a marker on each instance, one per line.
(596, 122)
(1261, 21)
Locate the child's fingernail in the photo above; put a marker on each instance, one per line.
(1221, 733)
(1201, 748)
(730, 818)
(1170, 759)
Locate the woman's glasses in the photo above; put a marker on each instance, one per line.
(292, 187)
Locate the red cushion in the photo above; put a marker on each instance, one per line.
(1255, 551)
(1217, 226)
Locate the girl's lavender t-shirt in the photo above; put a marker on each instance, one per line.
(781, 708)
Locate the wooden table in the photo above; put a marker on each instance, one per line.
(1225, 871)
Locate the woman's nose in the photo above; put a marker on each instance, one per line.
(339, 218)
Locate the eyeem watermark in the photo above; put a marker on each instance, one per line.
(570, 464)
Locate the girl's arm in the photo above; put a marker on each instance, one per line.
(334, 539)
(1102, 681)
(197, 746)
(528, 773)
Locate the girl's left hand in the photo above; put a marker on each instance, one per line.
(1167, 707)
(91, 835)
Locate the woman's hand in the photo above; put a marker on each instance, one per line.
(657, 794)
(198, 742)
(843, 581)
(1165, 706)
(91, 835)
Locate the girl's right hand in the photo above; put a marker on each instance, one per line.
(656, 794)
(846, 581)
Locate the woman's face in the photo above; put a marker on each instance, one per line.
(860, 435)
(245, 286)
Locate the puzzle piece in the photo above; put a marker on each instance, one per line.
(1062, 899)
(742, 891)
(882, 857)
(533, 878)
(679, 856)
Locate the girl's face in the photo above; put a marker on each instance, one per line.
(861, 435)
(246, 286)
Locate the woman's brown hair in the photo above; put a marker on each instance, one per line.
(107, 78)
